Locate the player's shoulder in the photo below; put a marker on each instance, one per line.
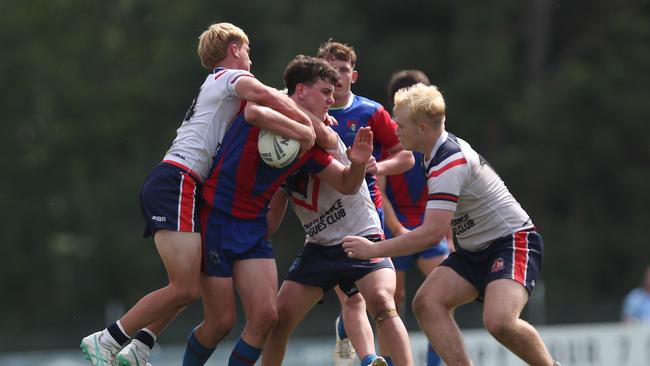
(367, 104)
(450, 147)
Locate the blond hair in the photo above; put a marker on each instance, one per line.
(332, 50)
(425, 103)
(214, 42)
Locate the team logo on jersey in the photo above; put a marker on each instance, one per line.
(352, 124)
(214, 257)
(497, 265)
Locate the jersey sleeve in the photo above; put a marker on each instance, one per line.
(384, 129)
(318, 160)
(232, 77)
(445, 181)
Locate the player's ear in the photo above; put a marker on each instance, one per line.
(233, 49)
(355, 76)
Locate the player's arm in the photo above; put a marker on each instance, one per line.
(434, 227)
(253, 90)
(269, 119)
(390, 218)
(398, 161)
(277, 208)
(348, 179)
(326, 138)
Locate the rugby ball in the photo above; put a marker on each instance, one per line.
(277, 151)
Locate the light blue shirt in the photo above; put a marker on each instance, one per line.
(636, 306)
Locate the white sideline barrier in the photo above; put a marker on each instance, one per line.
(612, 344)
(575, 345)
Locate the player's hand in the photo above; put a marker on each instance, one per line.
(330, 121)
(361, 150)
(307, 144)
(358, 247)
(371, 166)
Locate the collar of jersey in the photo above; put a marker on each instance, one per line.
(441, 139)
(217, 69)
(345, 106)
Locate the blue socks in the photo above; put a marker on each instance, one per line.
(368, 359)
(389, 361)
(244, 354)
(340, 327)
(195, 353)
(432, 357)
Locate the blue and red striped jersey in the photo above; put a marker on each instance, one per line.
(362, 112)
(240, 183)
(408, 193)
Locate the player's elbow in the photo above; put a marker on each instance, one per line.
(253, 113)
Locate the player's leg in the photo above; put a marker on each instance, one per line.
(257, 282)
(138, 350)
(435, 301)
(180, 253)
(426, 263)
(378, 288)
(504, 301)
(294, 302)
(360, 337)
(218, 297)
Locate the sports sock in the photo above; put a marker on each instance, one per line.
(195, 353)
(244, 354)
(432, 357)
(340, 327)
(116, 333)
(368, 359)
(147, 337)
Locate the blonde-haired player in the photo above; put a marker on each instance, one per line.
(169, 196)
(499, 252)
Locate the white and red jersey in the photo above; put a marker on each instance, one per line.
(328, 216)
(460, 180)
(206, 122)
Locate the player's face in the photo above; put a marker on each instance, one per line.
(347, 77)
(317, 97)
(244, 60)
(407, 129)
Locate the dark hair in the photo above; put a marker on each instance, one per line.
(405, 78)
(332, 50)
(307, 70)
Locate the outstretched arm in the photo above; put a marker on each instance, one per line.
(397, 162)
(433, 229)
(348, 179)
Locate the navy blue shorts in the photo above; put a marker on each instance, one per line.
(327, 266)
(227, 239)
(406, 262)
(517, 256)
(169, 200)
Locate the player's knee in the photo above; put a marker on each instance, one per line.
(264, 318)
(217, 328)
(420, 305)
(499, 327)
(184, 295)
(385, 314)
(400, 298)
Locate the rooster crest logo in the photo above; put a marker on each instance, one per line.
(352, 125)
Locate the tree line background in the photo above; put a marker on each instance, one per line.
(555, 94)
